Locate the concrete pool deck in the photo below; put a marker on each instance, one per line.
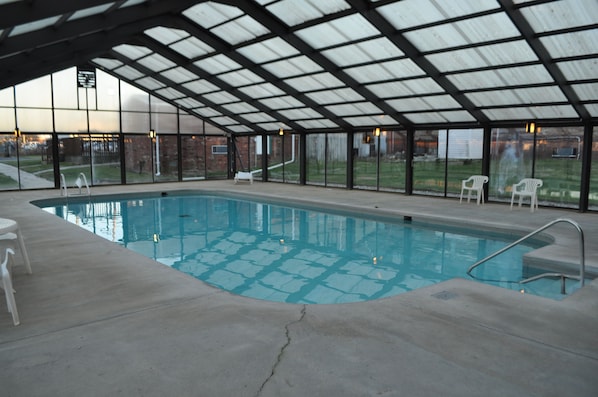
(99, 320)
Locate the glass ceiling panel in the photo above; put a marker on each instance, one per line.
(293, 67)
(354, 109)
(170, 93)
(107, 63)
(368, 51)
(32, 26)
(129, 3)
(410, 87)
(150, 83)
(409, 13)
(593, 109)
(314, 82)
(211, 14)
(240, 30)
(128, 72)
(579, 13)
(262, 90)
(132, 51)
(579, 70)
(240, 78)
(274, 126)
(480, 57)
(221, 97)
(166, 36)
(217, 64)
(519, 96)
(586, 92)
(370, 120)
(268, 50)
(457, 116)
(313, 124)
(424, 103)
(189, 103)
(469, 31)
(240, 108)
(207, 112)
(224, 120)
(156, 62)
(179, 75)
(239, 128)
(335, 96)
(86, 12)
(534, 74)
(294, 12)
(338, 31)
(530, 113)
(283, 102)
(258, 117)
(300, 114)
(192, 48)
(572, 44)
(201, 86)
(384, 71)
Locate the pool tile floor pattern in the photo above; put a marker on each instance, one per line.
(99, 320)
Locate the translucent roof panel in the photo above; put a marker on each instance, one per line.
(439, 117)
(533, 74)
(314, 82)
(170, 93)
(572, 44)
(354, 109)
(368, 51)
(586, 92)
(338, 31)
(240, 78)
(294, 12)
(201, 86)
(531, 113)
(579, 13)
(150, 83)
(86, 12)
(519, 96)
(283, 102)
(33, 26)
(384, 71)
(335, 96)
(108, 63)
(166, 35)
(579, 69)
(262, 90)
(189, 103)
(268, 50)
(128, 72)
(240, 108)
(217, 64)
(423, 103)
(410, 87)
(132, 51)
(192, 48)
(156, 62)
(485, 56)
(370, 120)
(240, 30)
(293, 67)
(469, 31)
(220, 97)
(179, 75)
(211, 14)
(258, 117)
(316, 124)
(300, 114)
(409, 13)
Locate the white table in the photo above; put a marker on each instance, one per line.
(11, 226)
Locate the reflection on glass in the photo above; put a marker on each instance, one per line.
(393, 146)
(593, 199)
(428, 169)
(138, 159)
(75, 157)
(507, 163)
(166, 158)
(193, 157)
(316, 159)
(336, 160)
(275, 158)
(463, 155)
(105, 159)
(133, 99)
(217, 157)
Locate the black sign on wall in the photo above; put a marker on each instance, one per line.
(86, 76)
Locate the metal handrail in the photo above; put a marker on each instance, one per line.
(582, 262)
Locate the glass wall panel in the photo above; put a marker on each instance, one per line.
(393, 146)
(102, 121)
(243, 153)
(558, 164)
(316, 159)
(35, 93)
(463, 156)
(7, 119)
(9, 162)
(166, 158)
(509, 162)
(593, 199)
(135, 122)
(107, 91)
(428, 169)
(164, 123)
(38, 120)
(138, 159)
(190, 124)
(160, 106)
(194, 157)
(105, 159)
(7, 97)
(291, 156)
(74, 121)
(217, 157)
(65, 89)
(336, 160)
(275, 158)
(133, 99)
(365, 161)
(74, 157)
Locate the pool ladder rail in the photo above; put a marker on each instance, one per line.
(563, 276)
(79, 183)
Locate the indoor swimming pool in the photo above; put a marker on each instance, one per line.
(295, 254)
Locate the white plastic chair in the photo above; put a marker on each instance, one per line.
(244, 176)
(474, 183)
(527, 187)
(7, 286)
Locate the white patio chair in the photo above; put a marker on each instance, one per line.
(527, 187)
(7, 286)
(244, 176)
(474, 183)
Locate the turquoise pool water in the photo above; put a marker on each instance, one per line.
(291, 254)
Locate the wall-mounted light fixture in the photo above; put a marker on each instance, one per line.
(17, 132)
(281, 132)
(531, 127)
(152, 134)
(377, 132)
